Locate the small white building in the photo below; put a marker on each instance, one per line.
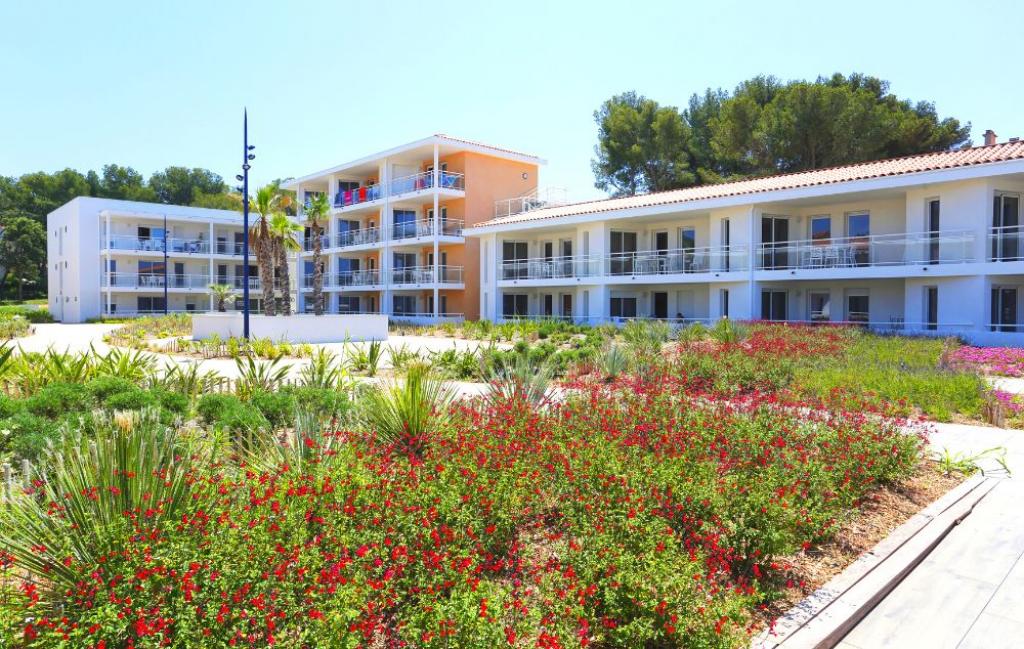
(110, 257)
(926, 244)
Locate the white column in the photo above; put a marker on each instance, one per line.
(385, 236)
(437, 232)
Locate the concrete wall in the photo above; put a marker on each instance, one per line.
(294, 328)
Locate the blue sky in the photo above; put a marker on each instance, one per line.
(150, 84)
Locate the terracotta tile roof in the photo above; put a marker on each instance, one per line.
(460, 140)
(861, 171)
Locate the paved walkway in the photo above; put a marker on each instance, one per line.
(969, 592)
(79, 337)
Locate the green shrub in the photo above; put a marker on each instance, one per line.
(172, 402)
(243, 418)
(26, 434)
(211, 407)
(34, 316)
(58, 399)
(13, 326)
(136, 400)
(104, 387)
(277, 407)
(9, 406)
(322, 403)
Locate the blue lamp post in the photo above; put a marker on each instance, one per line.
(247, 156)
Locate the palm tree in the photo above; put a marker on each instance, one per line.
(284, 231)
(221, 293)
(316, 212)
(266, 202)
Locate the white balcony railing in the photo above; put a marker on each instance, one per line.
(1006, 243)
(365, 194)
(641, 263)
(677, 261)
(175, 245)
(412, 229)
(425, 180)
(155, 281)
(359, 237)
(551, 268)
(535, 200)
(911, 248)
(417, 275)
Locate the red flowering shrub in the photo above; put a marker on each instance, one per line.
(643, 512)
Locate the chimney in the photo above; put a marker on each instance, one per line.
(990, 137)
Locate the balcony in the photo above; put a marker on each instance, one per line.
(679, 261)
(412, 230)
(633, 264)
(535, 200)
(366, 194)
(154, 281)
(175, 246)
(419, 275)
(226, 248)
(238, 282)
(358, 237)
(904, 249)
(425, 180)
(1006, 243)
(551, 268)
(345, 279)
(425, 228)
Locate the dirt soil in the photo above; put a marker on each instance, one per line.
(884, 510)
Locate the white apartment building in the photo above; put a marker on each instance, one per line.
(109, 257)
(923, 244)
(393, 242)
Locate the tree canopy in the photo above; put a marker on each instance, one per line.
(34, 195)
(763, 127)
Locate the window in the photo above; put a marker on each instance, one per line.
(931, 308)
(661, 243)
(1006, 227)
(725, 244)
(513, 250)
(151, 267)
(821, 228)
(513, 305)
(774, 305)
(566, 305)
(933, 231)
(687, 238)
(820, 306)
(549, 250)
(623, 307)
(549, 305)
(857, 309)
(444, 305)
(1004, 308)
(514, 255)
(404, 304)
(725, 302)
(858, 229)
(404, 224)
(774, 241)
(348, 304)
(146, 304)
(623, 252)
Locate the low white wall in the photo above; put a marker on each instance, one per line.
(300, 328)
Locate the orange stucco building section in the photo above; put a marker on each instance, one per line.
(488, 179)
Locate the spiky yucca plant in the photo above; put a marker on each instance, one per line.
(520, 381)
(96, 495)
(408, 411)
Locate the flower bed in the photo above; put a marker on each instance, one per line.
(996, 361)
(643, 512)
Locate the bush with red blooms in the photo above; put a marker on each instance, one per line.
(649, 511)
